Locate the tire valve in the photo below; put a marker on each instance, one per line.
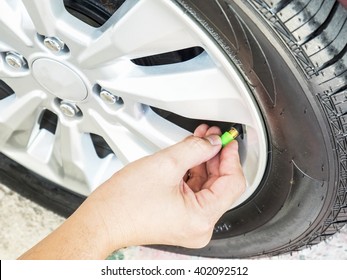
(231, 135)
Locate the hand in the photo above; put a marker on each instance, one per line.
(154, 201)
(173, 197)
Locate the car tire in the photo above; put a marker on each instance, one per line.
(296, 66)
(292, 57)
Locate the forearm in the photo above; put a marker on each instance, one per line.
(82, 236)
(99, 226)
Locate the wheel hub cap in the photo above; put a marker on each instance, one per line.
(59, 79)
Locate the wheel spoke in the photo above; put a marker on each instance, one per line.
(138, 29)
(195, 89)
(44, 14)
(149, 127)
(41, 145)
(125, 145)
(74, 155)
(21, 85)
(19, 115)
(15, 26)
(11, 76)
(50, 18)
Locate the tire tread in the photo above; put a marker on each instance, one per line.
(317, 32)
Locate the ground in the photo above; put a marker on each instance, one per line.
(24, 223)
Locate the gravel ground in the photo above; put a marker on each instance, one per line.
(24, 223)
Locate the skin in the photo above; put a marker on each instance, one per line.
(153, 201)
(344, 3)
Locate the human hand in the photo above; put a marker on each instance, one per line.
(154, 201)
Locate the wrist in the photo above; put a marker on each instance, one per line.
(112, 215)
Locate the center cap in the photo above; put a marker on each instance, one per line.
(59, 79)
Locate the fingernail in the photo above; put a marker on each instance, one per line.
(214, 140)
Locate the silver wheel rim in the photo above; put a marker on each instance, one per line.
(86, 77)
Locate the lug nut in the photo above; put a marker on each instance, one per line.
(68, 109)
(54, 44)
(108, 97)
(15, 60)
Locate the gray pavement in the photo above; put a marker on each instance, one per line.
(24, 223)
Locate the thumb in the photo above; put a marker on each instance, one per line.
(194, 150)
(229, 186)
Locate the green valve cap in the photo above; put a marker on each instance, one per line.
(229, 136)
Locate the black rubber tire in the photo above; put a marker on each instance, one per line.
(292, 54)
